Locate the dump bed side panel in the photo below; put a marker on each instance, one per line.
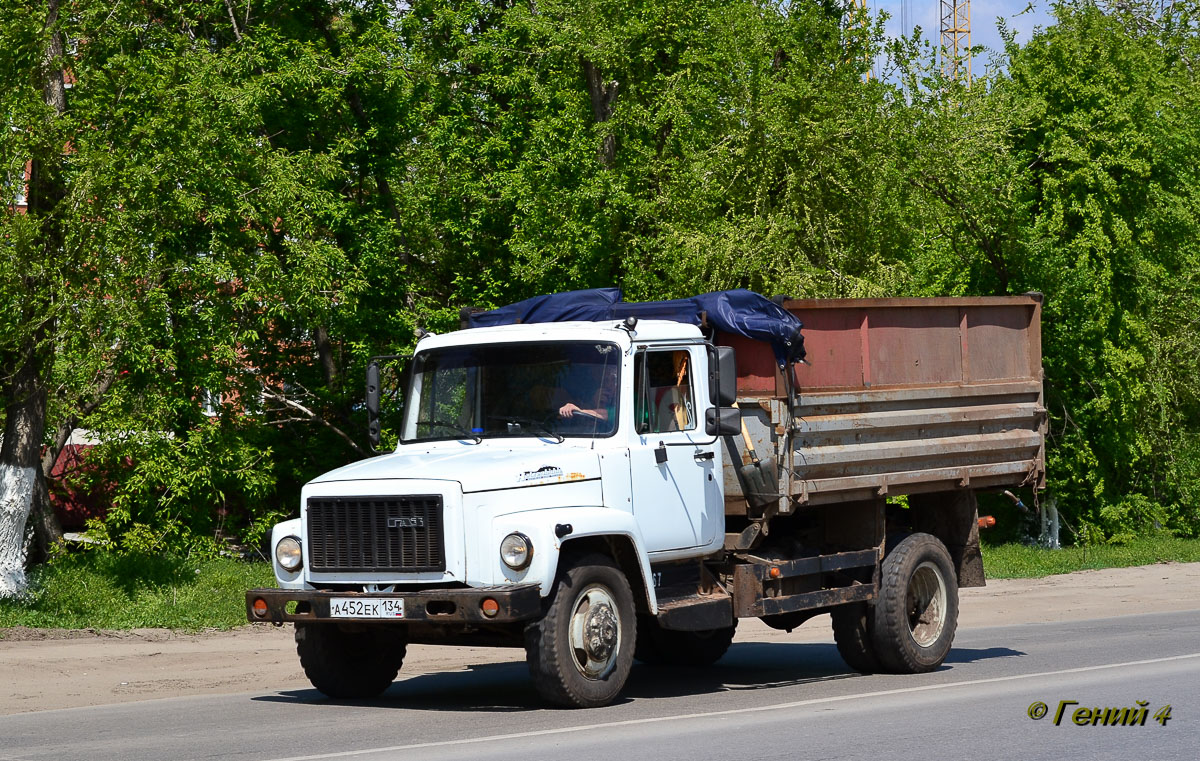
(900, 396)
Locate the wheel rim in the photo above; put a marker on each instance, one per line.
(595, 633)
(926, 604)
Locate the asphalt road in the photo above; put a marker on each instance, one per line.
(762, 701)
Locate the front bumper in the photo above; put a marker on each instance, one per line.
(516, 602)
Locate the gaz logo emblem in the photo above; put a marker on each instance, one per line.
(413, 522)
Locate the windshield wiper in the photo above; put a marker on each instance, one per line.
(513, 424)
(456, 428)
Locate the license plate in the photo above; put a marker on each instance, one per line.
(354, 607)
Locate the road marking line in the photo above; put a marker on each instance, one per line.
(727, 712)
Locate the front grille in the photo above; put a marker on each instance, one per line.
(401, 534)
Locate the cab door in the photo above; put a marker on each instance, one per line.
(674, 466)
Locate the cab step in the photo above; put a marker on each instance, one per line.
(691, 612)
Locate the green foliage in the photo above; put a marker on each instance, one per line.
(182, 494)
(1072, 172)
(1110, 138)
(97, 590)
(257, 202)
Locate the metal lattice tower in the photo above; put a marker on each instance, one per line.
(956, 39)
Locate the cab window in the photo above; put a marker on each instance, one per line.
(665, 398)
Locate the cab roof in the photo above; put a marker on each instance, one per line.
(575, 330)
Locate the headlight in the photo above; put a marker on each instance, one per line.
(516, 550)
(288, 555)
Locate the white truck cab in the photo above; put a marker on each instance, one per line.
(517, 442)
(484, 438)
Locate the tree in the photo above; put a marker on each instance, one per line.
(163, 228)
(33, 266)
(236, 204)
(1069, 173)
(1109, 137)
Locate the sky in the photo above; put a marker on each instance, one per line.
(926, 14)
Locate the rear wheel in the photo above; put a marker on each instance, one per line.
(580, 652)
(916, 614)
(350, 664)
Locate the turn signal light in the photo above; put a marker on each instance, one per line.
(489, 607)
(260, 607)
(986, 521)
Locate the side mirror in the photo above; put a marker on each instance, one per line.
(722, 421)
(373, 424)
(722, 376)
(387, 383)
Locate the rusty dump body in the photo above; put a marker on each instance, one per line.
(898, 396)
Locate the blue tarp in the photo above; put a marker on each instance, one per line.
(740, 312)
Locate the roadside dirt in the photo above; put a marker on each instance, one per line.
(48, 669)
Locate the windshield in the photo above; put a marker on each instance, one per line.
(529, 389)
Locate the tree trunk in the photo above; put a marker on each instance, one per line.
(328, 362)
(25, 414)
(16, 494)
(47, 530)
(602, 95)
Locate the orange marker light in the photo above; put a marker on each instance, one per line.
(775, 573)
(489, 607)
(260, 607)
(986, 521)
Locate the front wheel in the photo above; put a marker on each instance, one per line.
(580, 652)
(917, 611)
(350, 664)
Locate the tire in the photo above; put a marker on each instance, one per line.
(659, 646)
(852, 626)
(348, 664)
(917, 611)
(580, 652)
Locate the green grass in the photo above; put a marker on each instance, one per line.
(95, 590)
(1016, 561)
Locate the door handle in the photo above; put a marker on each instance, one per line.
(702, 456)
(660, 454)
